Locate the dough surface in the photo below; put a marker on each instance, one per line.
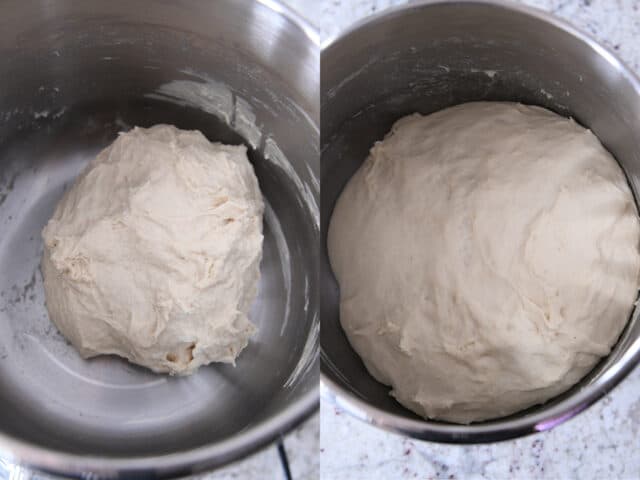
(487, 257)
(154, 253)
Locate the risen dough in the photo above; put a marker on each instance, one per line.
(154, 252)
(487, 257)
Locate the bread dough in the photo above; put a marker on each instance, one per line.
(154, 252)
(487, 257)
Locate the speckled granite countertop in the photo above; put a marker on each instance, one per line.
(601, 443)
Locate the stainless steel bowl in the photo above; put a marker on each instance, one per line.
(72, 75)
(426, 56)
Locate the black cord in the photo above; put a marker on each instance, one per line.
(284, 460)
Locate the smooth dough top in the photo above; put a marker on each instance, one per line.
(487, 257)
(154, 252)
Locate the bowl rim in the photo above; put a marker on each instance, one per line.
(498, 429)
(22, 454)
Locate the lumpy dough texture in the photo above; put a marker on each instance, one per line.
(487, 257)
(154, 252)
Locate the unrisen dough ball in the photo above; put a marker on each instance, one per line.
(154, 252)
(487, 257)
